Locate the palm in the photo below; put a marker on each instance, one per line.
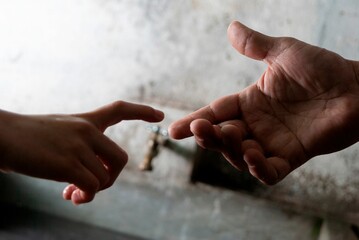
(298, 105)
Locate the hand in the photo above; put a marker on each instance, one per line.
(305, 104)
(69, 148)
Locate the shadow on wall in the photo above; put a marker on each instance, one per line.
(18, 223)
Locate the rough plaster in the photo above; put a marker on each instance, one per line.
(74, 55)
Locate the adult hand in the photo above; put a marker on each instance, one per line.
(305, 104)
(69, 148)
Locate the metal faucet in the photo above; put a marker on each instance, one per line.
(157, 138)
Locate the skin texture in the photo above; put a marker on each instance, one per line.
(69, 148)
(305, 104)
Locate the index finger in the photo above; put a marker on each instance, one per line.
(223, 109)
(115, 112)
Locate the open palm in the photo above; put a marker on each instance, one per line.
(305, 104)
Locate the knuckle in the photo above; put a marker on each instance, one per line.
(121, 159)
(289, 40)
(76, 147)
(93, 186)
(89, 197)
(109, 184)
(118, 104)
(86, 129)
(87, 183)
(124, 158)
(104, 181)
(120, 162)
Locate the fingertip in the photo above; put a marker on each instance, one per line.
(232, 140)
(76, 197)
(159, 115)
(153, 115)
(268, 170)
(253, 157)
(67, 192)
(249, 42)
(123, 156)
(256, 163)
(173, 131)
(198, 126)
(233, 32)
(232, 133)
(233, 26)
(179, 130)
(202, 129)
(145, 113)
(117, 111)
(79, 197)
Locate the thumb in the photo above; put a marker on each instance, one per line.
(251, 43)
(115, 112)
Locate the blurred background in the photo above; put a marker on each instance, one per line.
(74, 55)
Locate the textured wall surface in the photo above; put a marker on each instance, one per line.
(74, 55)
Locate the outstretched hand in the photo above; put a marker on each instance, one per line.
(69, 148)
(305, 104)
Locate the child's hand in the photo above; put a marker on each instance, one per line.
(69, 148)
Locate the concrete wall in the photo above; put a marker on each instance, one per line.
(74, 55)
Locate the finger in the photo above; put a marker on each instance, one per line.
(83, 188)
(206, 134)
(251, 144)
(67, 192)
(251, 43)
(225, 138)
(84, 179)
(237, 123)
(96, 167)
(232, 140)
(220, 110)
(111, 155)
(267, 170)
(77, 196)
(258, 167)
(120, 110)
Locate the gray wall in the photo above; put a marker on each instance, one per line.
(74, 55)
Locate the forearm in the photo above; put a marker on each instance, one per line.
(6, 118)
